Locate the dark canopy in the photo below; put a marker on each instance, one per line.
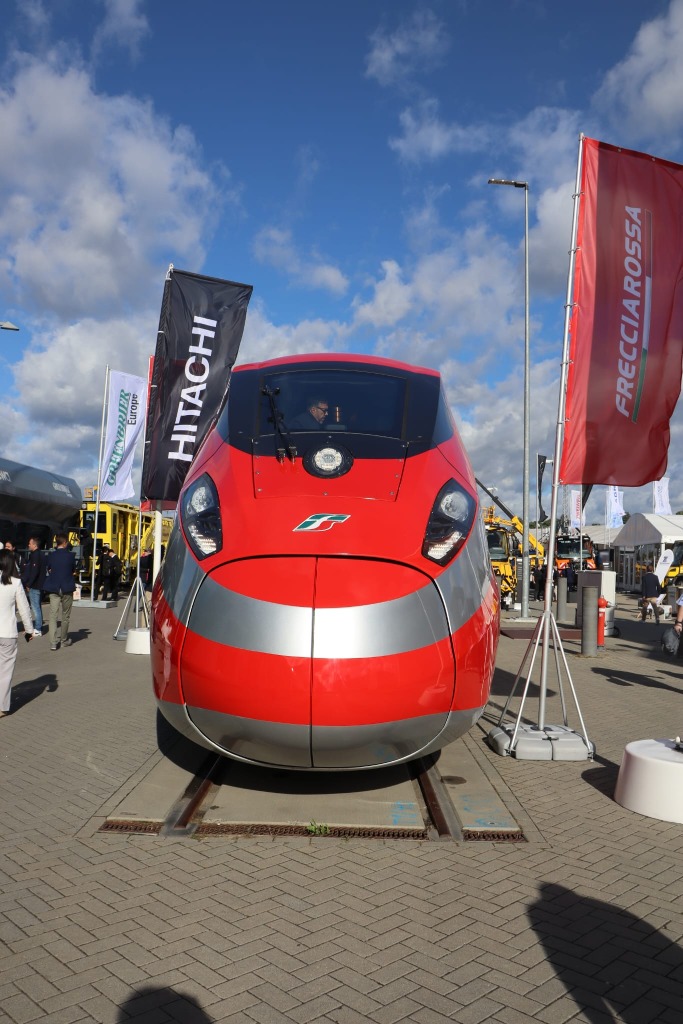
(37, 496)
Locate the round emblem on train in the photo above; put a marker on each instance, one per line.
(327, 601)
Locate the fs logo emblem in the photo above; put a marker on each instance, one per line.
(320, 521)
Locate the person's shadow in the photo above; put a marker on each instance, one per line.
(155, 1004)
(608, 959)
(24, 693)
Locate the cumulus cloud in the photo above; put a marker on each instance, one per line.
(97, 189)
(418, 44)
(263, 339)
(426, 137)
(123, 24)
(641, 97)
(275, 247)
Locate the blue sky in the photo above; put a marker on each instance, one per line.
(334, 156)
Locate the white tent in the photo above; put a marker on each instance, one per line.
(648, 528)
(643, 539)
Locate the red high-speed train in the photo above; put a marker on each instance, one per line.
(326, 601)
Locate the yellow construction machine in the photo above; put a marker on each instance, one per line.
(504, 536)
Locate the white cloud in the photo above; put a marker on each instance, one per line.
(60, 386)
(275, 247)
(97, 188)
(426, 137)
(123, 25)
(641, 97)
(416, 45)
(263, 339)
(391, 301)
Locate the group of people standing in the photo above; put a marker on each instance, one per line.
(54, 573)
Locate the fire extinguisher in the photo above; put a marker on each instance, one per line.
(603, 605)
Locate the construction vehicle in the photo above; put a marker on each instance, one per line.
(575, 549)
(117, 528)
(536, 549)
(502, 544)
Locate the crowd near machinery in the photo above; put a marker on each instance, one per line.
(326, 601)
(117, 528)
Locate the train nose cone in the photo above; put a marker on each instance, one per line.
(318, 662)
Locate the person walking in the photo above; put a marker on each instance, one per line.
(650, 591)
(33, 578)
(12, 600)
(60, 584)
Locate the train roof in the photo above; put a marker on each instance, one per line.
(37, 495)
(346, 358)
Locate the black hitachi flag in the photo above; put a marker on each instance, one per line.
(542, 514)
(200, 329)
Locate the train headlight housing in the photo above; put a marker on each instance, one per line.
(449, 524)
(200, 514)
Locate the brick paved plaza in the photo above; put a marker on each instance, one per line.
(584, 922)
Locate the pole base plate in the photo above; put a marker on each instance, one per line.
(552, 743)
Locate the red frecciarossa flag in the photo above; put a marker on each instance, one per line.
(626, 328)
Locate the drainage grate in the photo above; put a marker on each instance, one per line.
(331, 831)
(147, 828)
(471, 835)
(153, 828)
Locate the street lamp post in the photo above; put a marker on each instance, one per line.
(525, 472)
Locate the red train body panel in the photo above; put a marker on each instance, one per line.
(326, 601)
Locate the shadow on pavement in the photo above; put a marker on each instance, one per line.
(614, 966)
(24, 693)
(503, 681)
(621, 678)
(156, 1004)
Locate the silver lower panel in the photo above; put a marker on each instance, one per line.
(335, 748)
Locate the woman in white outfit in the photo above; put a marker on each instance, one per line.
(12, 600)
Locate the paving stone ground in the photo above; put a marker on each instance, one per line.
(584, 922)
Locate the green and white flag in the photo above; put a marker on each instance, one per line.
(126, 411)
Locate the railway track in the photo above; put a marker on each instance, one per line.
(412, 802)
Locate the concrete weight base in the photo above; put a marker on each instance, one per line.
(552, 743)
(650, 780)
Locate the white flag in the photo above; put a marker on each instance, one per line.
(661, 496)
(576, 517)
(615, 507)
(126, 412)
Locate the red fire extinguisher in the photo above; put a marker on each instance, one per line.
(603, 605)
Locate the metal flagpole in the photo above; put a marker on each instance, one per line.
(138, 589)
(93, 602)
(543, 742)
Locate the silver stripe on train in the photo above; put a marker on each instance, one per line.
(364, 631)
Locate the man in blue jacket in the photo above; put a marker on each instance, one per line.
(60, 583)
(33, 578)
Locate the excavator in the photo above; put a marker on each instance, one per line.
(503, 536)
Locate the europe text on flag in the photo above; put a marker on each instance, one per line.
(126, 410)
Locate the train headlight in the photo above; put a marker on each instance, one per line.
(449, 524)
(200, 514)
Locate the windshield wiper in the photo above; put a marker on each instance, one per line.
(285, 448)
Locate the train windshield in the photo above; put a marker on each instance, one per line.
(333, 399)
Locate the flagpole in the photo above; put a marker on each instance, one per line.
(99, 481)
(538, 742)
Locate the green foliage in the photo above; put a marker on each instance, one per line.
(316, 829)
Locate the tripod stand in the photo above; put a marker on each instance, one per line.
(137, 596)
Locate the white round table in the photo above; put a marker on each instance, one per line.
(651, 780)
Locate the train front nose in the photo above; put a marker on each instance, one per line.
(351, 666)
